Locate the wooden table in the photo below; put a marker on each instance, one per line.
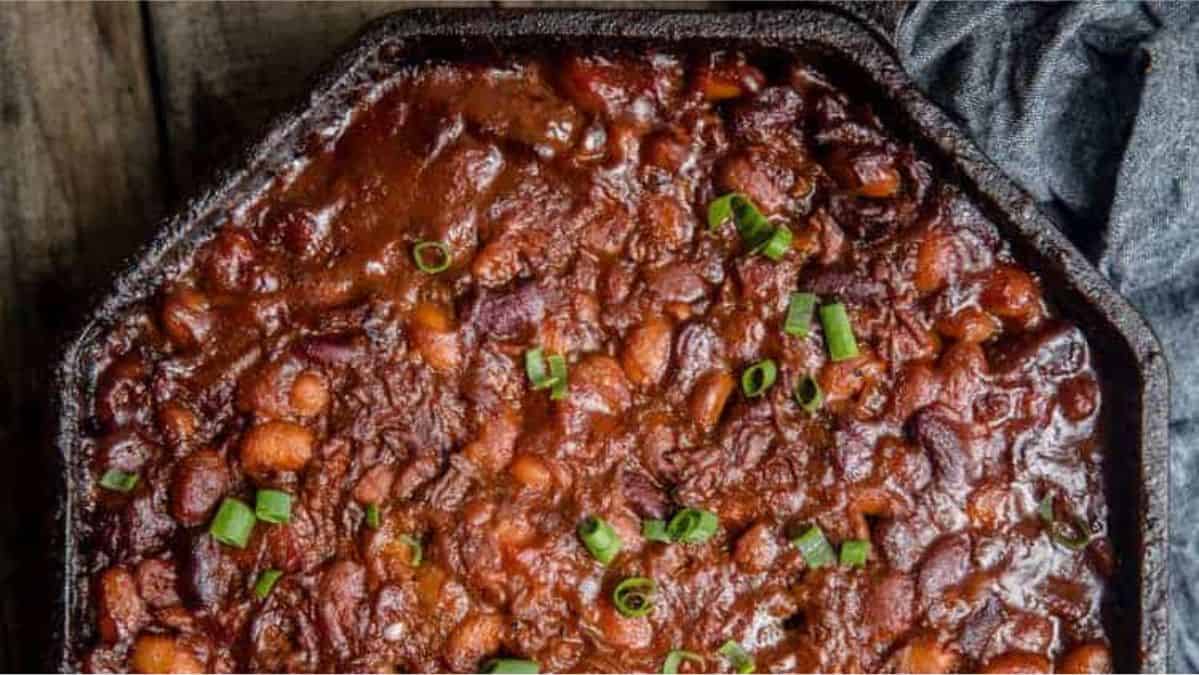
(110, 116)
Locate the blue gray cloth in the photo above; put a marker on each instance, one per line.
(1094, 108)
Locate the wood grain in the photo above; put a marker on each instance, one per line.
(225, 69)
(79, 191)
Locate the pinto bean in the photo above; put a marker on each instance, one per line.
(309, 394)
(935, 262)
(435, 338)
(647, 352)
(177, 423)
(923, 654)
(375, 484)
(1018, 662)
(121, 612)
(492, 450)
(757, 548)
(162, 654)
(721, 80)
(968, 325)
(187, 317)
(200, 480)
(1012, 293)
(621, 632)
(532, 472)
(842, 380)
(709, 396)
(1092, 657)
(276, 446)
(476, 637)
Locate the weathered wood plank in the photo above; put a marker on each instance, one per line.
(225, 69)
(79, 190)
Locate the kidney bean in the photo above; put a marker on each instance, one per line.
(647, 352)
(708, 398)
(201, 479)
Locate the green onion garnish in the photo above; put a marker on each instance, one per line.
(838, 332)
(266, 582)
(515, 666)
(558, 372)
(814, 547)
(273, 506)
(547, 372)
(808, 394)
(634, 596)
(416, 552)
(737, 656)
(778, 244)
(799, 314)
(1074, 536)
(676, 657)
(757, 378)
(441, 258)
(372, 516)
(600, 539)
(692, 526)
(854, 553)
(655, 530)
(118, 481)
(721, 209)
(233, 523)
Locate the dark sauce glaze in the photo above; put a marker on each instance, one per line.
(303, 350)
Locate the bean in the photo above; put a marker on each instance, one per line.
(1012, 293)
(200, 480)
(121, 612)
(620, 632)
(162, 654)
(727, 79)
(968, 325)
(309, 394)
(434, 337)
(187, 318)
(1018, 662)
(924, 655)
(531, 471)
(476, 637)
(647, 352)
(935, 262)
(709, 396)
(276, 446)
(492, 450)
(1092, 657)
(177, 423)
(890, 609)
(156, 582)
(757, 548)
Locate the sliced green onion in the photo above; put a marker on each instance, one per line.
(515, 666)
(808, 394)
(266, 582)
(814, 548)
(838, 332)
(233, 523)
(692, 526)
(755, 230)
(634, 596)
(854, 552)
(443, 257)
(416, 551)
(721, 209)
(655, 530)
(737, 656)
(1074, 535)
(118, 481)
(537, 370)
(273, 506)
(757, 378)
(372, 516)
(600, 539)
(558, 372)
(799, 314)
(778, 244)
(676, 657)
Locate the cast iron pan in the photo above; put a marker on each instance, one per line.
(1128, 356)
